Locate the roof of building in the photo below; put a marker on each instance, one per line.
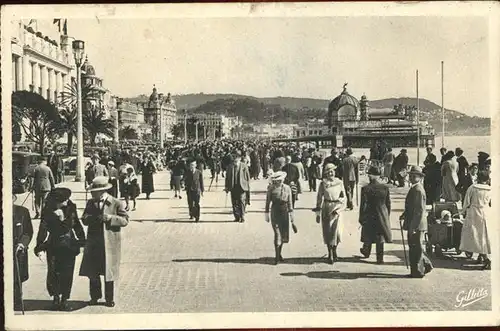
(88, 68)
(342, 100)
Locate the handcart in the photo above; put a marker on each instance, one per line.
(443, 236)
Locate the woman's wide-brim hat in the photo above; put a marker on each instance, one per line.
(278, 176)
(416, 170)
(330, 166)
(59, 194)
(100, 183)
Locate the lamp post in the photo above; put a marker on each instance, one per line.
(78, 51)
(162, 134)
(185, 127)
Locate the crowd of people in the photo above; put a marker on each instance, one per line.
(111, 177)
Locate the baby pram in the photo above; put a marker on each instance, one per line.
(443, 235)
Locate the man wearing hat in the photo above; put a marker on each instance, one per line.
(335, 160)
(193, 179)
(350, 175)
(22, 229)
(414, 220)
(374, 215)
(238, 183)
(105, 216)
(43, 183)
(95, 170)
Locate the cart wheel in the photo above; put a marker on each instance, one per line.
(428, 248)
(468, 255)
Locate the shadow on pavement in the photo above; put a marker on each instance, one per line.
(342, 275)
(360, 259)
(262, 260)
(445, 262)
(36, 305)
(176, 220)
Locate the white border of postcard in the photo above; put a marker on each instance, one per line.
(488, 10)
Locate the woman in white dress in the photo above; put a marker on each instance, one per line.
(477, 209)
(330, 201)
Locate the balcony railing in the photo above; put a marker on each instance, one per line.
(46, 48)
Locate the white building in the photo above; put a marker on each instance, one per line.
(42, 62)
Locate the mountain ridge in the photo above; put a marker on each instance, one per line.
(296, 110)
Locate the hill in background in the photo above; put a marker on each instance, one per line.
(287, 110)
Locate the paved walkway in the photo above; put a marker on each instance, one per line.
(170, 264)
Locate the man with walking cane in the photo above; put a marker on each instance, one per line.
(415, 222)
(22, 235)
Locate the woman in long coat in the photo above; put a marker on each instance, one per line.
(60, 222)
(147, 170)
(279, 204)
(330, 201)
(449, 174)
(477, 208)
(374, 215)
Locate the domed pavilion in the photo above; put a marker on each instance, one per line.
(344, 107)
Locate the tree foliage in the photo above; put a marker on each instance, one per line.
(36, 116)
(128, 132)
(95, 122)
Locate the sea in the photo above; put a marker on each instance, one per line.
(471, 145)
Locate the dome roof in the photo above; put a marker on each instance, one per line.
(88, 68)
(154, 96)
(342, 100)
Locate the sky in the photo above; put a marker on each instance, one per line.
(294, 57)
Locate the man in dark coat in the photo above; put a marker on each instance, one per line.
(292, 178)
(463, 167)
(430, 158)
(22, 234)
(432, 180)
(238, 183)
(414, 220)
(335, 160)
(43, 183)
(193, 179)
(350, 176)
(55, 164)
(374, 215)
(399, 166)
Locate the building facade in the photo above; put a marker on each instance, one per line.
(159, 105)
(41, 62)
(130, 114)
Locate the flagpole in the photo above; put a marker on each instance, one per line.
(442, 103)
(418, 125)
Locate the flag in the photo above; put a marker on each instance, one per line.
(64, 22)
(58, 22)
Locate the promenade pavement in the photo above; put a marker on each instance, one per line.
(173, 265)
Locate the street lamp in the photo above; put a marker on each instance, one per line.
(185, 127)
(78, 51)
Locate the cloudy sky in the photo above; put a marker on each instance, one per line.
(296, 57)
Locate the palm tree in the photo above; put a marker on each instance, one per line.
(68, 124)
(95, 122)
(69, 96)
(128, 132)
(68, 102)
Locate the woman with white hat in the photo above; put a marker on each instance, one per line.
(279, 211)
(330, 201)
